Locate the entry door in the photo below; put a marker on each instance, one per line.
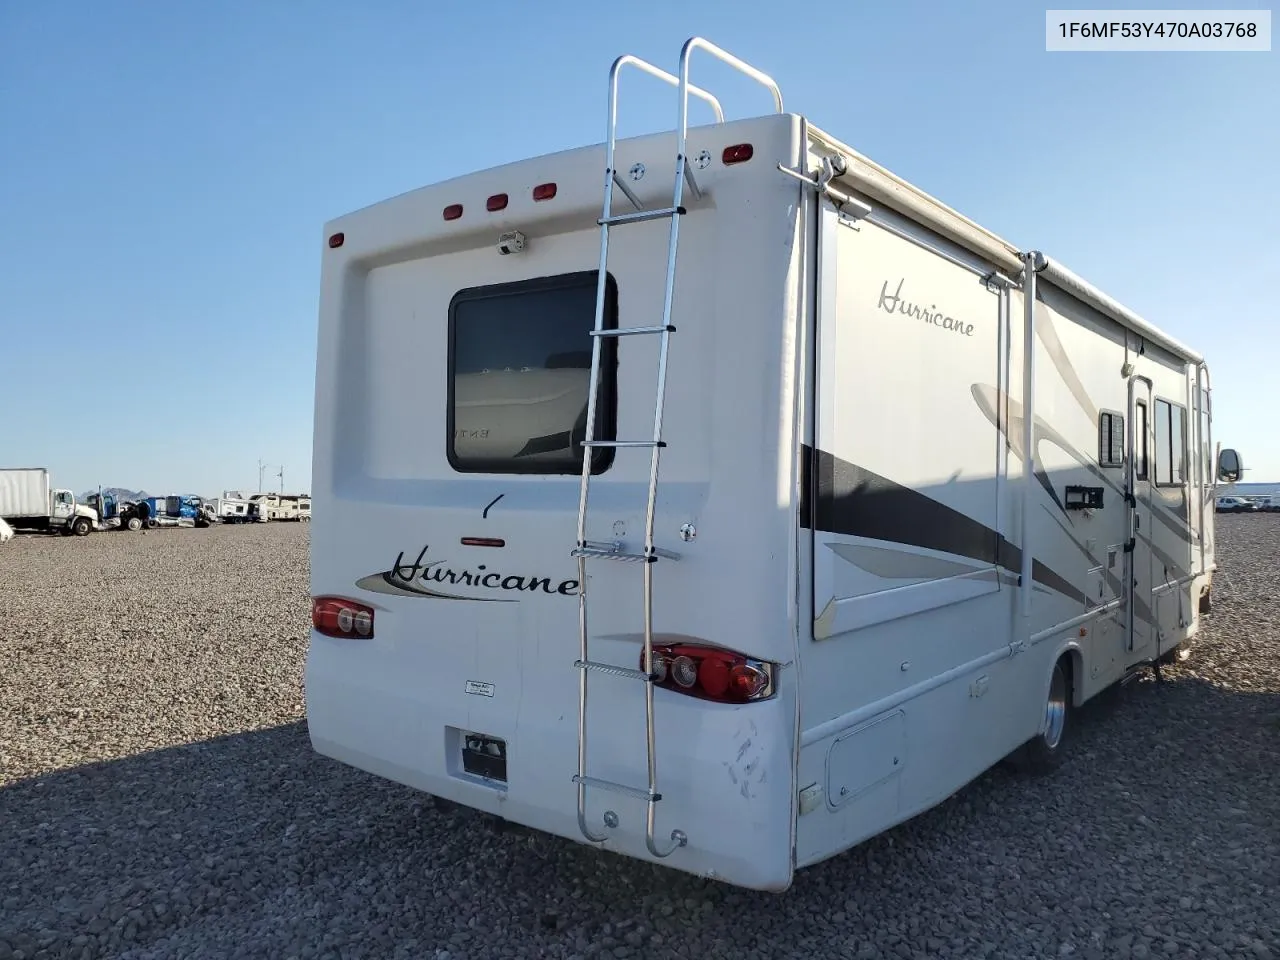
(1140, 609)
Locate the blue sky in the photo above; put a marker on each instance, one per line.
(168, 169)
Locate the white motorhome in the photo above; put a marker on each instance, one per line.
(920, 493)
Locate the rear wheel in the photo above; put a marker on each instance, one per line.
(1043, 752)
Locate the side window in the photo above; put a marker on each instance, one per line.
(1171, 444)
(1110, 439)
(1140, 442)
(1178, 443)
(519, 372)
(1164, 462)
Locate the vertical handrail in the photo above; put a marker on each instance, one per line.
(1205, 419)
(1034, 263)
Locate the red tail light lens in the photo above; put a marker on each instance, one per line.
(738, 153)
(711, 673)
(339, 617)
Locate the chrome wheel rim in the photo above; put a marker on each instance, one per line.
(1055, 710)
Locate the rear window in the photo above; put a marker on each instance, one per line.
(519, 368)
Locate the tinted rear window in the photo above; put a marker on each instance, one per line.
(519, 367)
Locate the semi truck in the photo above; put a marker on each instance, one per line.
(30, 501)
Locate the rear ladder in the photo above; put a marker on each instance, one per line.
(587, 550)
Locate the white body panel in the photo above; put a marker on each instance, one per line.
(6, 531)
(853, 469)
(25, 492)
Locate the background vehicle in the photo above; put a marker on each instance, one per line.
(29, 501)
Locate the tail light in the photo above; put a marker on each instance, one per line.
(711, 673)
(738, 153)
(339, 617)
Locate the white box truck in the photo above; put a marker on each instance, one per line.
(29, 501)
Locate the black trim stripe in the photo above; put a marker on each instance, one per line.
(843, 498)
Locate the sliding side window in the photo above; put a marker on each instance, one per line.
(519, 370)
(1111, 440)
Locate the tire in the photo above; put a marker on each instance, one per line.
(134, 523)
(1206, 602)
(81, 526)
(1043, 752)
(152, 522)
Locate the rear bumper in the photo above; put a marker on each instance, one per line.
(726, 773)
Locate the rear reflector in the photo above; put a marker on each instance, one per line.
(711, 673)
(483, 542)
(738, 153)
(544, 191)
(453, 211)
(497, 202)
(336, 240)
(339, 617)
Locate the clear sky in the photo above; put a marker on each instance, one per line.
(167, 169)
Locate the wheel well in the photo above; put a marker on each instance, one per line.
(1072, 661)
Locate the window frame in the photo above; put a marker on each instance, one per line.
(1112, 416)
(606, 397)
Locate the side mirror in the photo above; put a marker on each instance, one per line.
(1230, 466)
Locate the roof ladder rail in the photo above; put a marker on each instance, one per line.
(584, 549)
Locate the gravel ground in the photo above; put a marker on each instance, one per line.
(159, 798)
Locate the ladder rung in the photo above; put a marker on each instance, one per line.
(601, 553)
(624, 443)
(640, 216)
(637, 792)
(633, 331)
(625, 672)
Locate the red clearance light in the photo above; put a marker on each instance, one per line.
(342, 618)
(711, 673)
(544, 191)
(738, 153)
(483, 542)
(497, 202)
(336, 240)
(453, 211)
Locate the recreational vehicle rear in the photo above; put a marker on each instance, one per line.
(897, 495)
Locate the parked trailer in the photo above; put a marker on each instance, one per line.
(29, 501)
(283, 506)
(233, 509)
(921, 494)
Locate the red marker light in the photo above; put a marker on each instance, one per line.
(497, 202)
(738, 153)
(544, 191)
(336, 240)
(453, 211)
(483, 542)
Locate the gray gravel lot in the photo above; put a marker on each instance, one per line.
(159, 798)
